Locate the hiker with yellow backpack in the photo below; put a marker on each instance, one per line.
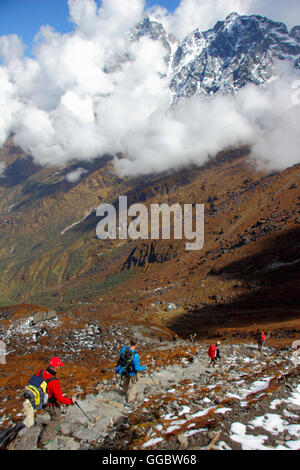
(44, 391)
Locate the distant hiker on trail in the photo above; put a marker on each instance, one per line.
(128, 366)
(261, 340)
(193, 338)
(55, 398)
(214, 353)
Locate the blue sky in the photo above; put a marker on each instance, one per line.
(25, 17)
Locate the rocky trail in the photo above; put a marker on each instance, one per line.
(249, 401)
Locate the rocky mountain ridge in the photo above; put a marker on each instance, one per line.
(237, 51)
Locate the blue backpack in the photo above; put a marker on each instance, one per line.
(125, 366)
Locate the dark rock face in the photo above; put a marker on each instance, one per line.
(148, 253)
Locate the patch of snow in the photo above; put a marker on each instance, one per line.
(238, 428)
(232, 395)
(293, 445)
(171, 429)
(248, 442)
(223, 410)
(223, 446)
(295, 398)
(152, 442)
(202, 413)
(170, 416)
(185, 410)
(294, 430)
(270, 422)
(289, 415)
(194, 431)
(274, 404)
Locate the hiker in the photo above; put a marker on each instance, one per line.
(214, 353)
(193, 338)
(55, 398)
(128, 366)
(261, 340)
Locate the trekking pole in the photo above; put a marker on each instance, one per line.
(116, 378)
(151, 377)
(83, 412)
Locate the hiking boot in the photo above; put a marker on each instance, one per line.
(40, 445)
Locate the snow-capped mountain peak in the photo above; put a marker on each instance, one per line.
(239, 50)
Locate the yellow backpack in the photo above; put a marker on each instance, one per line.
(36, 391)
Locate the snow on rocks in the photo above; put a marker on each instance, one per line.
(38, 331)
(248, 442)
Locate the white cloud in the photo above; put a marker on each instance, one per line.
(203, 14)
(75, 175)
(11, 48)
(186, 134)
(63, 104)
(9, 105)
(287, 11)
(263, 117)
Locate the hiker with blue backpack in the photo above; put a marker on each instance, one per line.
(128, 366)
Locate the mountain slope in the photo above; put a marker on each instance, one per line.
(50, 254)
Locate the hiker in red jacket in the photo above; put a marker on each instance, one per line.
(213, 353)
(55, 398)
(261, 340)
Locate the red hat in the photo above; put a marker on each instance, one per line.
(55, 362)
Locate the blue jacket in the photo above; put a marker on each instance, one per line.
(135, 362)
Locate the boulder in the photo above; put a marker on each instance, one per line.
(27, 438)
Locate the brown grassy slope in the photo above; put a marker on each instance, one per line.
(251, 221)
